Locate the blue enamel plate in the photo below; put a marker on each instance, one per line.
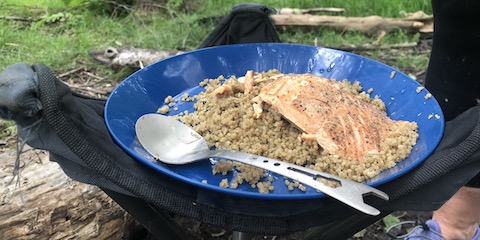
(145, 91)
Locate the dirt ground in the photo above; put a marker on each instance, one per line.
(376, 231)
(88, 83)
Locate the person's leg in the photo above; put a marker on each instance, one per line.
(458, 217)
(453, 77)
(453, 74)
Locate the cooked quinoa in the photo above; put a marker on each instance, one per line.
(419, 89)
(164, 109)
(392, 74)
(225, 118)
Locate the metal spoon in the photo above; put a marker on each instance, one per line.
(173, 142)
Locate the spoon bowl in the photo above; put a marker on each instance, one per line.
(173, 142)
(168, 140)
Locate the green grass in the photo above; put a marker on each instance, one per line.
(7, 129)
(40, 3)
(68, 31)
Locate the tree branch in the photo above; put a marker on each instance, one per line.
(370, 24)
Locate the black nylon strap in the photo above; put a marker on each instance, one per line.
(101, 164)
(447, 158)
(81, 145)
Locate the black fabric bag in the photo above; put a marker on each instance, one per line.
(71, 127)
(246, 23)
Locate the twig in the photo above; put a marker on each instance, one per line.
(174, 15)
(155, 35)
(119, 6)
(23, 19)
(370, 47)
(80, 88)
(158, 6)
(379, 38)
(86, 89)
(71, 72)
(93, 76)
(423, 71)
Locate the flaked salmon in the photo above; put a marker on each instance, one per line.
(342, 122)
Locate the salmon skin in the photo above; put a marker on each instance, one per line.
(342, 122)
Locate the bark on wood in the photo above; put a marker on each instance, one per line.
(370, 24)
(23, 19)
(309, 10)
(130, 57)
(46, 204)
(370, 47)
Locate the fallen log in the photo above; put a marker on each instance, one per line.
(373, 46)
(22, 19)
(310, 10)
(370, 24)
(130, 56)
(45, 204)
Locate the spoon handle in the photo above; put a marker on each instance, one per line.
(346, 191)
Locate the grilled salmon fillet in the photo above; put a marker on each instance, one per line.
(341, 122)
